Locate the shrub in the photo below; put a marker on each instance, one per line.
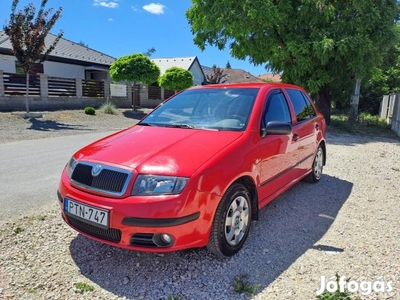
(371, 120)
(109, 108)
(90, 110)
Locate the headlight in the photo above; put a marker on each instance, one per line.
(147, 185)
(71, 166)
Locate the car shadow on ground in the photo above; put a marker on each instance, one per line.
(49, 125)
(287, 228)
(137, 114)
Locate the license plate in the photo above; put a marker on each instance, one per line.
(93, 215)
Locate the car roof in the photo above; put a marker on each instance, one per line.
(247, 85)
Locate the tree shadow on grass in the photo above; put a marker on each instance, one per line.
(49, 125)
(336, 137)
(288, 227)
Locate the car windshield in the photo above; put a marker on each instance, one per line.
(208, 108)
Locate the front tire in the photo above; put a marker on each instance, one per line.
(317, 167)
(231, 223)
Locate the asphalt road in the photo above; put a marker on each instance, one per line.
(30, 172)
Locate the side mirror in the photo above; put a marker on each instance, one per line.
(276, 127)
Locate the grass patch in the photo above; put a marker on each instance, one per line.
(241, 285)
(18, 230)
(108, 108)
(41, 218)
(32, 290)
(337, 295)
(81, 287)
(175, 298)
(31, 219)
(366, 124)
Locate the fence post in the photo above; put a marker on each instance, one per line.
(392, 100)
(107, 89)
(162, 94)
(384, 108)
(78, 87)
(129, 93)
(395, 120)
(1, 84)
(44, 86)
(144, 92)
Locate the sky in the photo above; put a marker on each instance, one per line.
(121, 27)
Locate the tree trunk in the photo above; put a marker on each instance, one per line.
(323, 102)
(355, 100)
(27, 93)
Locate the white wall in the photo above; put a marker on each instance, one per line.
(57, 69)
(51, 68)
(197, 74)
(7, 63)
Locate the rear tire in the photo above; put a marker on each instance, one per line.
(317, 167)
(231, 223)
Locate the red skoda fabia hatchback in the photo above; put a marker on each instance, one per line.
(196, 170)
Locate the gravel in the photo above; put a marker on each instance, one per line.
(347, 224)
(15, 126)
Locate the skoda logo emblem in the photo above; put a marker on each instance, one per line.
(96, 170)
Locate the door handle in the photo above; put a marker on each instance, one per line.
(295, 137)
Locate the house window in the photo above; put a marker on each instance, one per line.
(36, 68)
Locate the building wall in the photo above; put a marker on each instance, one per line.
(7, 63)
(56, 69)
(198, 78)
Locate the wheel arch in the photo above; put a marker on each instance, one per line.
(248, 182)
(323, 146)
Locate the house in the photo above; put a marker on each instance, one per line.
(191, 64)
(68, 60)
(73, 60)
(230, 75)
(270, 77)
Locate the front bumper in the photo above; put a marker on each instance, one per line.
(139, 223)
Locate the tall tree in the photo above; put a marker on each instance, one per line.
(322, 45)
(383, 80)
(149, 52)
(176, 79)
(82, 43)
(27, 32)
(228, 65)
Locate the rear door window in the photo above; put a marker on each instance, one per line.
(301, 104)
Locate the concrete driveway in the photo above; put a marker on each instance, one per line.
(30, 171)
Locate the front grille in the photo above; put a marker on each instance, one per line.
(110, 234)
(143, 240)
(109, 180)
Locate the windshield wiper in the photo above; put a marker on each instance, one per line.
(187, 126)
(146, 124)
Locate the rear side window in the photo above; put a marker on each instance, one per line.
(301, 104)
(277, 108)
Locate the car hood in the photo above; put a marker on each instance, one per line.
(158, 150)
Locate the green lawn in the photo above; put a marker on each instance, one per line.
(365, 125)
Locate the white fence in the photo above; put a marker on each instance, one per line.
(390, 110)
